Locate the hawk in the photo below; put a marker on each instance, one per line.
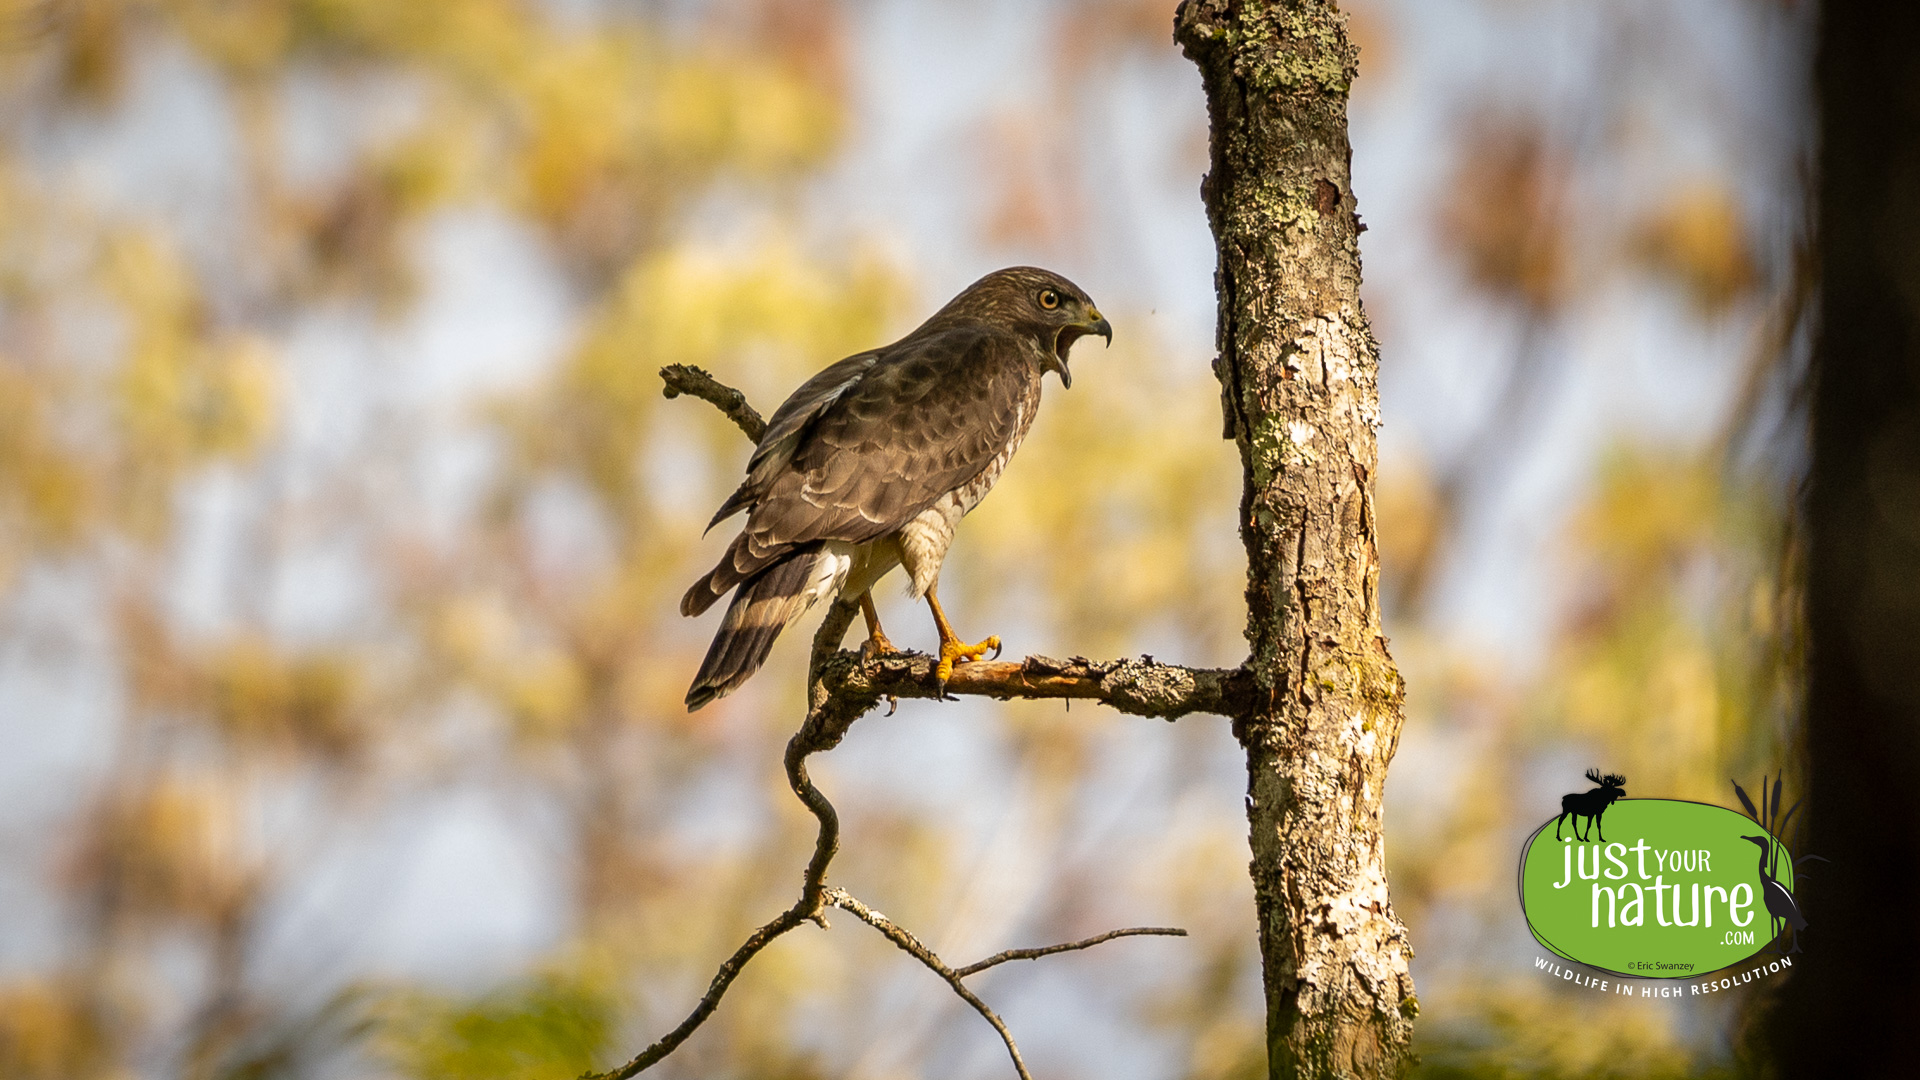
(871, 463)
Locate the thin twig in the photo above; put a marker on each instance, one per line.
(910, 945)
(671, 1041)
(687, 379)
(1072, 946)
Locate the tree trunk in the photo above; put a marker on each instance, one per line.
(1297, 365)
(1850, 1006)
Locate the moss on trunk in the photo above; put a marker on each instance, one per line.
(1298, 367)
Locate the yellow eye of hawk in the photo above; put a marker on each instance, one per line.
(1049, 299)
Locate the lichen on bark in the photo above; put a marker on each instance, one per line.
(1298, 367)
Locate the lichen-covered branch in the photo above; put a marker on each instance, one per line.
(1142, 687)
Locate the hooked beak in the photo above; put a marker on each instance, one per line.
(1094, 323)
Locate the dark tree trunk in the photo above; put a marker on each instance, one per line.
(1297, 365)
(1850, 1007)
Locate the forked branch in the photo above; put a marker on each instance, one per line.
(842, 687)
(911, 946)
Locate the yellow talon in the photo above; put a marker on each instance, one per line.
(953, 652)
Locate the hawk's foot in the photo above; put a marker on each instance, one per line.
(875, 647)
(954, 651)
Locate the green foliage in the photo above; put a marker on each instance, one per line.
(1677, 657)
(1519, 1032)
(534, 1030)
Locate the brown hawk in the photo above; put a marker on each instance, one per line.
(871, 463)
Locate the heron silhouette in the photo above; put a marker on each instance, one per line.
(1780, 903)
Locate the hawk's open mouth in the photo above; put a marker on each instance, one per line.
(1072, 332)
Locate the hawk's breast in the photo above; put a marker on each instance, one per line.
(924, 540)
(970, 493)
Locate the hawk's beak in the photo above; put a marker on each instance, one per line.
(1094, 323)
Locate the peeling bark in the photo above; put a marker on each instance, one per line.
(1297, 365)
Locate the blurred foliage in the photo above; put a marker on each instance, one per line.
(1672, 650)
(1699, 240)
(1505, 213)
(518, 636)
(1529, 1034)
(533, 1031)
(140, 355)
(774, 309)
(1119, 562)
(1677, 655)
(46, 1033)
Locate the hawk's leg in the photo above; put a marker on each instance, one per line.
(876, 644)
(952, 649)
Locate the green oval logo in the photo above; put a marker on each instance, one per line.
(1676, 889)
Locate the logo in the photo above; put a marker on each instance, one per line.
(1661, 888)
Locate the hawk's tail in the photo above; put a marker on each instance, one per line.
(762, 607)
(743, 560)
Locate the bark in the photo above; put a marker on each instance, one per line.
(1140, 687)
(1297, 364)
(1849, 1008)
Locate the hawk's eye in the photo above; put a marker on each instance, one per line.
(1049, 299)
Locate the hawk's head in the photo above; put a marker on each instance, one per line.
(1033, 301)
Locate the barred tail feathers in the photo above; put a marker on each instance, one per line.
(743, 560)
(762, 607)
(703, 593)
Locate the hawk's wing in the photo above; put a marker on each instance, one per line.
(930, 416)
(787, 426)
(865, 446)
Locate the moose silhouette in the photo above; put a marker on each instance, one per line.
(1591, 804)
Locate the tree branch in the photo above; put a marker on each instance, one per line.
(808, 907)
(687, 379)
(1142, 687)
(1073, 946)
(842, 687)
(722, 979)
(911, 946)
